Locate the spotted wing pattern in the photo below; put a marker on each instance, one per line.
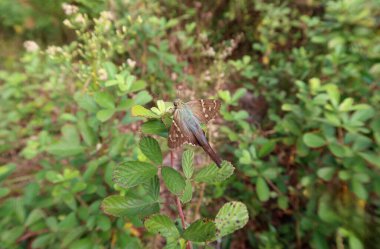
(204, 109)
(178, 134)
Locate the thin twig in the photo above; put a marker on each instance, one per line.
(179, 206)
(199, 202)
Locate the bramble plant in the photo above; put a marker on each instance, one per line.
(299, 121)
(140, 181)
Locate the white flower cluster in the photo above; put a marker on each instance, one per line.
(31, 46)
(69, 9)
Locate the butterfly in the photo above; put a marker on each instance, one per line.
(186, 125)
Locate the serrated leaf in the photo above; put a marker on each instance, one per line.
(313, 140)
(262, 189)
(187, 163)
(152, 188)
(231, 217)
(162, 225)
(200, 231)
(151, 149)
(155, 127)
(173, 180)
(105, 114)
(212, 174)
(120, 206)
(132, 173)
(140, 111)
(105, 100)
(187, 193)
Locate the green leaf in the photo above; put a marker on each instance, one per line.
(4, 192)
(187, 163)
(42, 241)
(72, 235)
(188, 193)
(137, 86)
(86, 102)
(346, 105)
(326, 211)
(35, 215)
(355, 242)
(140, 111)
(87, 133)
(105, 100)
(334, 94)
(231, 217)
(212, 174)
(120, 206)
(105, 114)
(173, 180)
(142, 97)
(262, 189)
(6, 170)
(326, 173)
(155, 127)
(363, 115)
(359, 189)
(337, 149)
(371, 157)
(161, 224)
(132, 173)
(153, 188)
(64, 149)
(70, 134)
(266, 149)
(313, 140)
(151, 149)
(200, 231)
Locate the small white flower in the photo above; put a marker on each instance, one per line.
(31, 46)
(210, 52)
(131, 63)
(67, 23)
(79, 19)
(102, 74)
(174, 76)
(108, 15)
(69, 9)
(53, 50)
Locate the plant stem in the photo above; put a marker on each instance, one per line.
(179, 206)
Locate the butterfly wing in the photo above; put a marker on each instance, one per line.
(179, 134)
(204, 109)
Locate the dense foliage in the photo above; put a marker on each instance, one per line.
(82, 89)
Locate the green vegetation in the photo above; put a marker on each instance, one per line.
(86, 97)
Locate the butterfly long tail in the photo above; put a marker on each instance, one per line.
(201, 139)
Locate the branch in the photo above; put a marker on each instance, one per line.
(179, 206)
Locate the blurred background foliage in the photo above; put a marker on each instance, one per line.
(299, 81)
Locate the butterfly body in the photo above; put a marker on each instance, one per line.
(186, 126)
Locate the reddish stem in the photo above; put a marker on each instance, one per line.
(178, 202)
